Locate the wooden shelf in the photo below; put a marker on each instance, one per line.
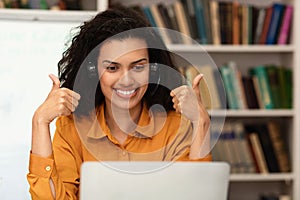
(253, 113)
(233, 48)
(45, 15)
(262, 177)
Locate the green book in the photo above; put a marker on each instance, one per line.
(228, 78)
(286, 87)
(273, 75)
(264, 85)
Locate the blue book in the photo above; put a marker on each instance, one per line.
(149, 16)
(199, 13)
(275, 23)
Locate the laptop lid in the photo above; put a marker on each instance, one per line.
(154, 180)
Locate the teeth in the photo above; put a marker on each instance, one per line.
(125, 92)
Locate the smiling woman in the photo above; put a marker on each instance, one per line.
(119, 97)
(124, 79)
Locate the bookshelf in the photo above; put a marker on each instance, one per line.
(242, 186)
(251, 186)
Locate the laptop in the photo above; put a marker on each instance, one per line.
(154, 180)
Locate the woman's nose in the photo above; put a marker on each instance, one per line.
(127, 79)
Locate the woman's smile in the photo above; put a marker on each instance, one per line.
(125, 93)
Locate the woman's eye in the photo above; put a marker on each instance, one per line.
(138, 68)
(111, 68)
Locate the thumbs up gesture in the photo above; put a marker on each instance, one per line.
(188, 101)
(59, 102)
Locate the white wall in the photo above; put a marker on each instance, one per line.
(29, 51)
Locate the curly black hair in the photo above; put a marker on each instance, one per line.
(84, 49)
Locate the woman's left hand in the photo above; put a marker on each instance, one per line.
(188, 101)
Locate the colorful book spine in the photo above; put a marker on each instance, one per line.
(200, 20)
(149, 16)
(274, 23)
(228, 77)
(285, 25)
(267, 20)
(259, 24)
(215, 22)
(263, 82)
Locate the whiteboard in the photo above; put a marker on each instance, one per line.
(29, 51)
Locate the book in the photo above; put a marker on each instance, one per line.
(215, 22)
(272, 72)
(167, 23)
(250, 93)
(238, 85)
(243, 149)
(258, 92)
(173, 21)
(181, 19)
(286, 87)
(235, 23)
(200, 21)
(259, 24)
(228, 77)
(265, 29)
(250, 24)
(274, 23)
(160, 24)
(191, 18)
(223, 25)
(279, 146)
(207, 21)
(264, 86)
(164, 15)
(228, 23)
(258, 153)
(148, 14)
(230, 149)
(245, 24)
(254, 21)
(266, 144)
(285, 25)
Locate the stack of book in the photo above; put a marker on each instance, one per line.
(216, 22)
(264, 87)
(252, 148)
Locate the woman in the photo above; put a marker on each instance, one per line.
(115, 100)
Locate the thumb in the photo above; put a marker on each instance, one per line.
(196, 83)
(55, 81)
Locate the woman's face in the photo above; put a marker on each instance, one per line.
(124, 72)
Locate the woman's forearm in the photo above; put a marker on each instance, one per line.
(41, 143)
(200, 146)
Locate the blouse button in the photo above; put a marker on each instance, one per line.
(48, 168)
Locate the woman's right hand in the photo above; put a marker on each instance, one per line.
(59, 102)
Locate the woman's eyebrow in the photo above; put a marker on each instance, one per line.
(139, 60)
(110, 62)
(134, 62)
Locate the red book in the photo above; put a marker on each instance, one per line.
(268, 16)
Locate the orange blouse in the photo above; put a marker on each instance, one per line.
(157, 138)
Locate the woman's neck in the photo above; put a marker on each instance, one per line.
(122, 120)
